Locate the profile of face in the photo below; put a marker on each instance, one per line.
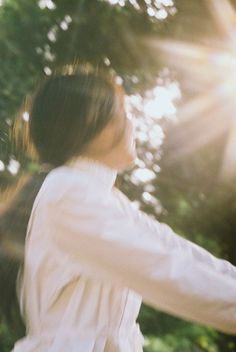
(115, 144)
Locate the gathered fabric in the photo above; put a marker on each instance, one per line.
(81, 341)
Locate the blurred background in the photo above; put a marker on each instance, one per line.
(177, 62)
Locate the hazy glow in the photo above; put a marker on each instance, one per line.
(158, 9)
(2, 165)
(107, 62)
(136, 204)
(119, 80)
(143, 175)
(139, 162)
(47, 70)
(46, 4)
(9, 121)
(64, 25)
(66, 22)
(229, 162)
(161, 14)
(48, 55)
(160, 101)
(25, 116)
(148, 198)
(155, 104)
(13, 166)
(68, 18)
(52, 34)
(117, 2)
(135, 4)
(156, 136)
(211, 71)
(224, 14)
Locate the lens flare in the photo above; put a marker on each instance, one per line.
(209, 71)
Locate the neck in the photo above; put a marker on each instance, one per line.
(96, 171)
(110, 160)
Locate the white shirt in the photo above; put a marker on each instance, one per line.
(90, 259)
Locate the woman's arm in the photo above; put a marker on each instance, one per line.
(119, 243)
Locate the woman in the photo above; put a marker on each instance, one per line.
(90, 257)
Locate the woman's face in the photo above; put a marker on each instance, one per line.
(115, 145)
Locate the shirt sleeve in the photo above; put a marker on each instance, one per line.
(124, 245)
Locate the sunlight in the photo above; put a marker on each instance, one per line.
(156, 103)
(158, 9)
(148, 198)
(52, 34)
(149, 108)
(46, 4)
(25, 116)
(47, 70)
(142, 175)
(210, 70)
(2, 165)
(225, 17)
(159, 102)
(13, 166)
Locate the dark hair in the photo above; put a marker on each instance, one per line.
(66, 112)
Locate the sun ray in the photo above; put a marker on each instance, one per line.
(223, 12)
(208, 74)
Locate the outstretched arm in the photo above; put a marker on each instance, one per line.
(124, 245)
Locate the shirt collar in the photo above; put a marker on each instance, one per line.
(98, 170)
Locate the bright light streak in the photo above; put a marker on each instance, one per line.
(225, 17)
(209, 70)
(228, 169)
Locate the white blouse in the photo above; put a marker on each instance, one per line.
(91, 257)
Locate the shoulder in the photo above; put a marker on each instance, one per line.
(60, 182)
